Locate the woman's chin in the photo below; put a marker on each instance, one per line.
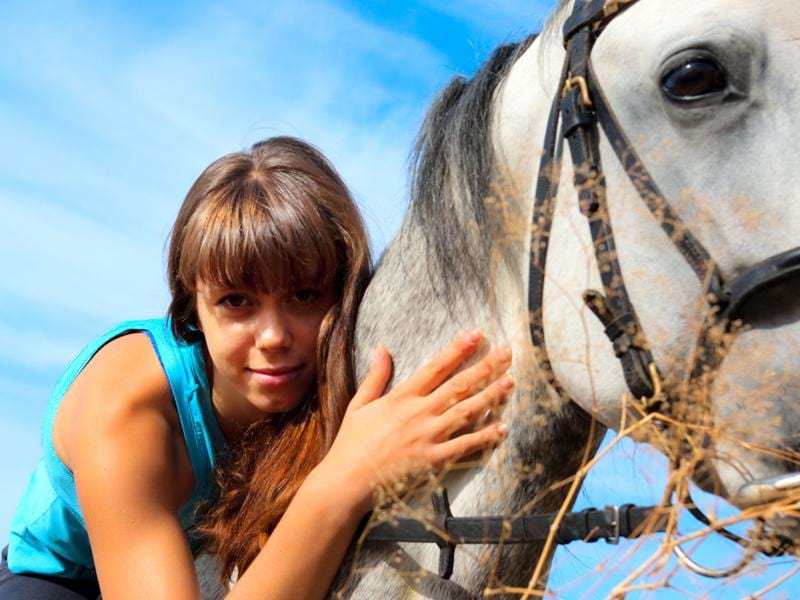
(275, 405)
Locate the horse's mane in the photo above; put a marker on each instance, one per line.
(552, 26)
(452, 168)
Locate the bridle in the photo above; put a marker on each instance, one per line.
(729, 305)
(578, 110)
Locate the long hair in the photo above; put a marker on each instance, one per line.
(273, 217)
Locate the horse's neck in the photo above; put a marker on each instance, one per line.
(404, 310)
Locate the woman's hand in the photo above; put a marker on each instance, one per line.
(419, 425)
(410, 430)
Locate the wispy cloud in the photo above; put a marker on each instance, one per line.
(170, 103)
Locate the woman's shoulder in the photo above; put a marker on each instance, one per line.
(129, 368)
(121, 385)
(119, 425)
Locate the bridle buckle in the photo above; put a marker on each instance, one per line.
(614, 539)
(580, 83)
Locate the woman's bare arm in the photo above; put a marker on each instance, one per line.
(132, 474)
(382, 440)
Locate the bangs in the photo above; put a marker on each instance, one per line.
(247, 239)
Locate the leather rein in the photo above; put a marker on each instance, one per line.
(577, 110)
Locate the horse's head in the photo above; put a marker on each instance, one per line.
(704, 90)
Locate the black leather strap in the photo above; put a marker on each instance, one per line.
(541, 222)
(595, 14)
(590, 525)
(585, 14)
(613, 307)
(779, 270)
(672, 225)
(447, 548)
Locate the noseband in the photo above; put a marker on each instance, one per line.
(578, 108)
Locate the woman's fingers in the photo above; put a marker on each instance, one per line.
(468, 443)
(472, 380)
(376, 380)
(434, 373)
(469, 411)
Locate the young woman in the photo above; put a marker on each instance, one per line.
(268, 260)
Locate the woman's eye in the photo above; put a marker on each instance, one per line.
(234, 301)
(307, 295)
(694, 79)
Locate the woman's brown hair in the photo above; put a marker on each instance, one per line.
(277, 216)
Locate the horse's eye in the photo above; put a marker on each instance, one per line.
(694, 79)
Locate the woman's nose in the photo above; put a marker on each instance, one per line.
(273, 332)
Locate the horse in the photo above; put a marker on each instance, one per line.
(461, 258)
(701, 91)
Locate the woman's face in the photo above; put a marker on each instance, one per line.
(262, 348)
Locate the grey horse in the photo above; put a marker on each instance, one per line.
(461, 258)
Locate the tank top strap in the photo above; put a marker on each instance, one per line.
(184, 366)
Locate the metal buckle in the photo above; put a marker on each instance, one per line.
(447, 549)
(580, 83)
(614, 540)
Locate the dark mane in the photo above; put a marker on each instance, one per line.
(452, 170)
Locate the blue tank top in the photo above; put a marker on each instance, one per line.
(48, 533)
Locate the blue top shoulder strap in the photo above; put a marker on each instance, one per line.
(48, 531)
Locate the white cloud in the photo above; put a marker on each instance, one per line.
(62, 261)
(119, 127)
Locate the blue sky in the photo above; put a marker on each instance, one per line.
(108, 111)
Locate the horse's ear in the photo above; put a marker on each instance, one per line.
(377, 378)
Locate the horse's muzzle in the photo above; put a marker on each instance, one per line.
(769, 489)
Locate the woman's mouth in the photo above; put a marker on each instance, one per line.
(274, 376)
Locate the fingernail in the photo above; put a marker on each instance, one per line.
(505, 354)
(376, 354)
(507, 382)
(474, 336)
(502, 428)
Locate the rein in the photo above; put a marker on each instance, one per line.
(578, 109)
